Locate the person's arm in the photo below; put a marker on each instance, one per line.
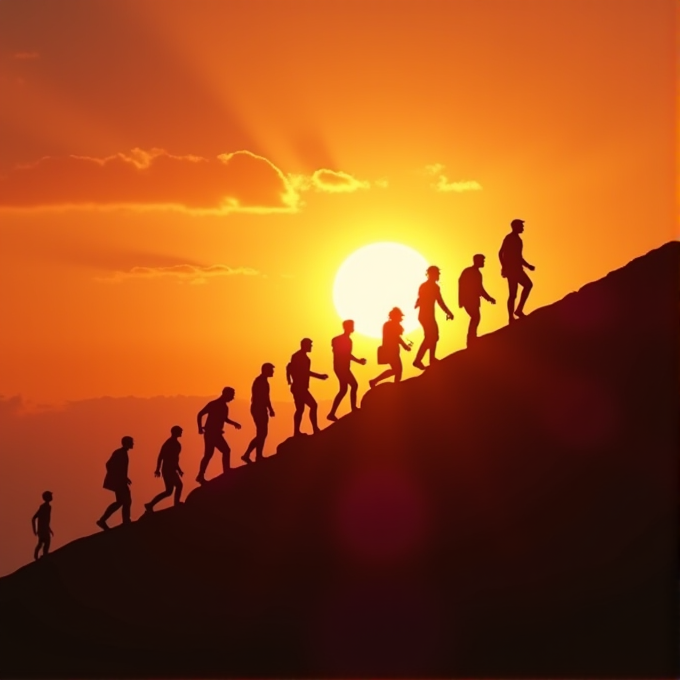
(289, 378)
(442, 304)
(233, 423)
(34, 523)
(358, 361)
(269, 406)
(530, 267)
(320, 376)
(486, 296)
(199, 418)
(157, 473)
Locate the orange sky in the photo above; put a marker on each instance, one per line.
(180, 180)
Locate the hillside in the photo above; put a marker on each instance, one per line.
(513, 512)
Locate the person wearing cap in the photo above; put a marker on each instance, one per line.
(512, 269)
(261, 410)
(298, 373)
(429, 293)
(389, 351)
(117, 480)
(470, 292)
(342, 366)
(213, 431)
(41, 526)
(168, 465)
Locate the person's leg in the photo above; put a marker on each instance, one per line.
(397, 369)
(313, 407)
(353, 387)
(37, 548)
(159, 497)
(253, 442)
(297, 416)
(383, 376)
(261, 437)
(424, 346)
(207, 455)
(338, 397)
(178, 490)
(223, 448)
(46, 541)
(474, 323)
(434, 339)
(110, 510)
(527, 285)
(126, 504)
(512, 294)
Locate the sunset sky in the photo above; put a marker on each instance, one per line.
(181, 180)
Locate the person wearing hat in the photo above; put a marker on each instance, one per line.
(512, 269)
(213, 431)
(429, 293)
(298, 373)
(261, 410)
(389, 351)
(117, 480)
(41, 526)
(168, 465)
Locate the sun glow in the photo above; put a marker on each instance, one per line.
(373, 280)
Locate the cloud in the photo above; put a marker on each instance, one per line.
(233, 182)
(26, 56)
(444, 184)
(189, 273)
(332, 181)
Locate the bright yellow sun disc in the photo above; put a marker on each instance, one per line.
(373, 280)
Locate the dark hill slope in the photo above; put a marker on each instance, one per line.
(511, 513)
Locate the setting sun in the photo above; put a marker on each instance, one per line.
(373, 280)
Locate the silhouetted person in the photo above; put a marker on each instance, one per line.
(429, 294)
(41, 526)
(470, 292)
(261, 410)
(298, 373)
(389, 351)
(342, 360)
(512, 269)
(218, 414)
(117, 480)
(168, 465)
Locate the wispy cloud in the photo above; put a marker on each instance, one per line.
(444, 184)
(186, 273)
(331, 181)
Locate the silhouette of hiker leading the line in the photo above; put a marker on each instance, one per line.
(117, 480)
(261, 410)
(342, 367)
(470, 292)
(298, 373)
(41, 526)
(429, 294)
(218, 414)
(168, 463)
(388, 352)
(512, 269)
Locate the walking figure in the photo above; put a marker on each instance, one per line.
(261, 410)
(218, 414)
(342, 367)
(429, 293)
(117, 480)
(41, 525)
(389, 351)
(470, 292)
(168, 465)
(512, 269)
(298, 373)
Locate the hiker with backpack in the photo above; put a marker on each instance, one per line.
(117, 480)
(389, 351)
(512, 269)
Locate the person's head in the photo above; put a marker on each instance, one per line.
(268, 370)
(478, 260)
(306, 345)
(176, 431)
(433, 273)
(348, 326)
(47, 496)
(517, 226)
(396, 314)
(127, 442)
(228, 393)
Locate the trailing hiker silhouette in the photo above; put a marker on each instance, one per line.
(117, 480)
(168, 465)
(342, 367)
(218, 414)
(470, 292)
(512, 269)
(41, 526)
(298, 373)
(389, 351)
(429, 293)
(261, 410)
